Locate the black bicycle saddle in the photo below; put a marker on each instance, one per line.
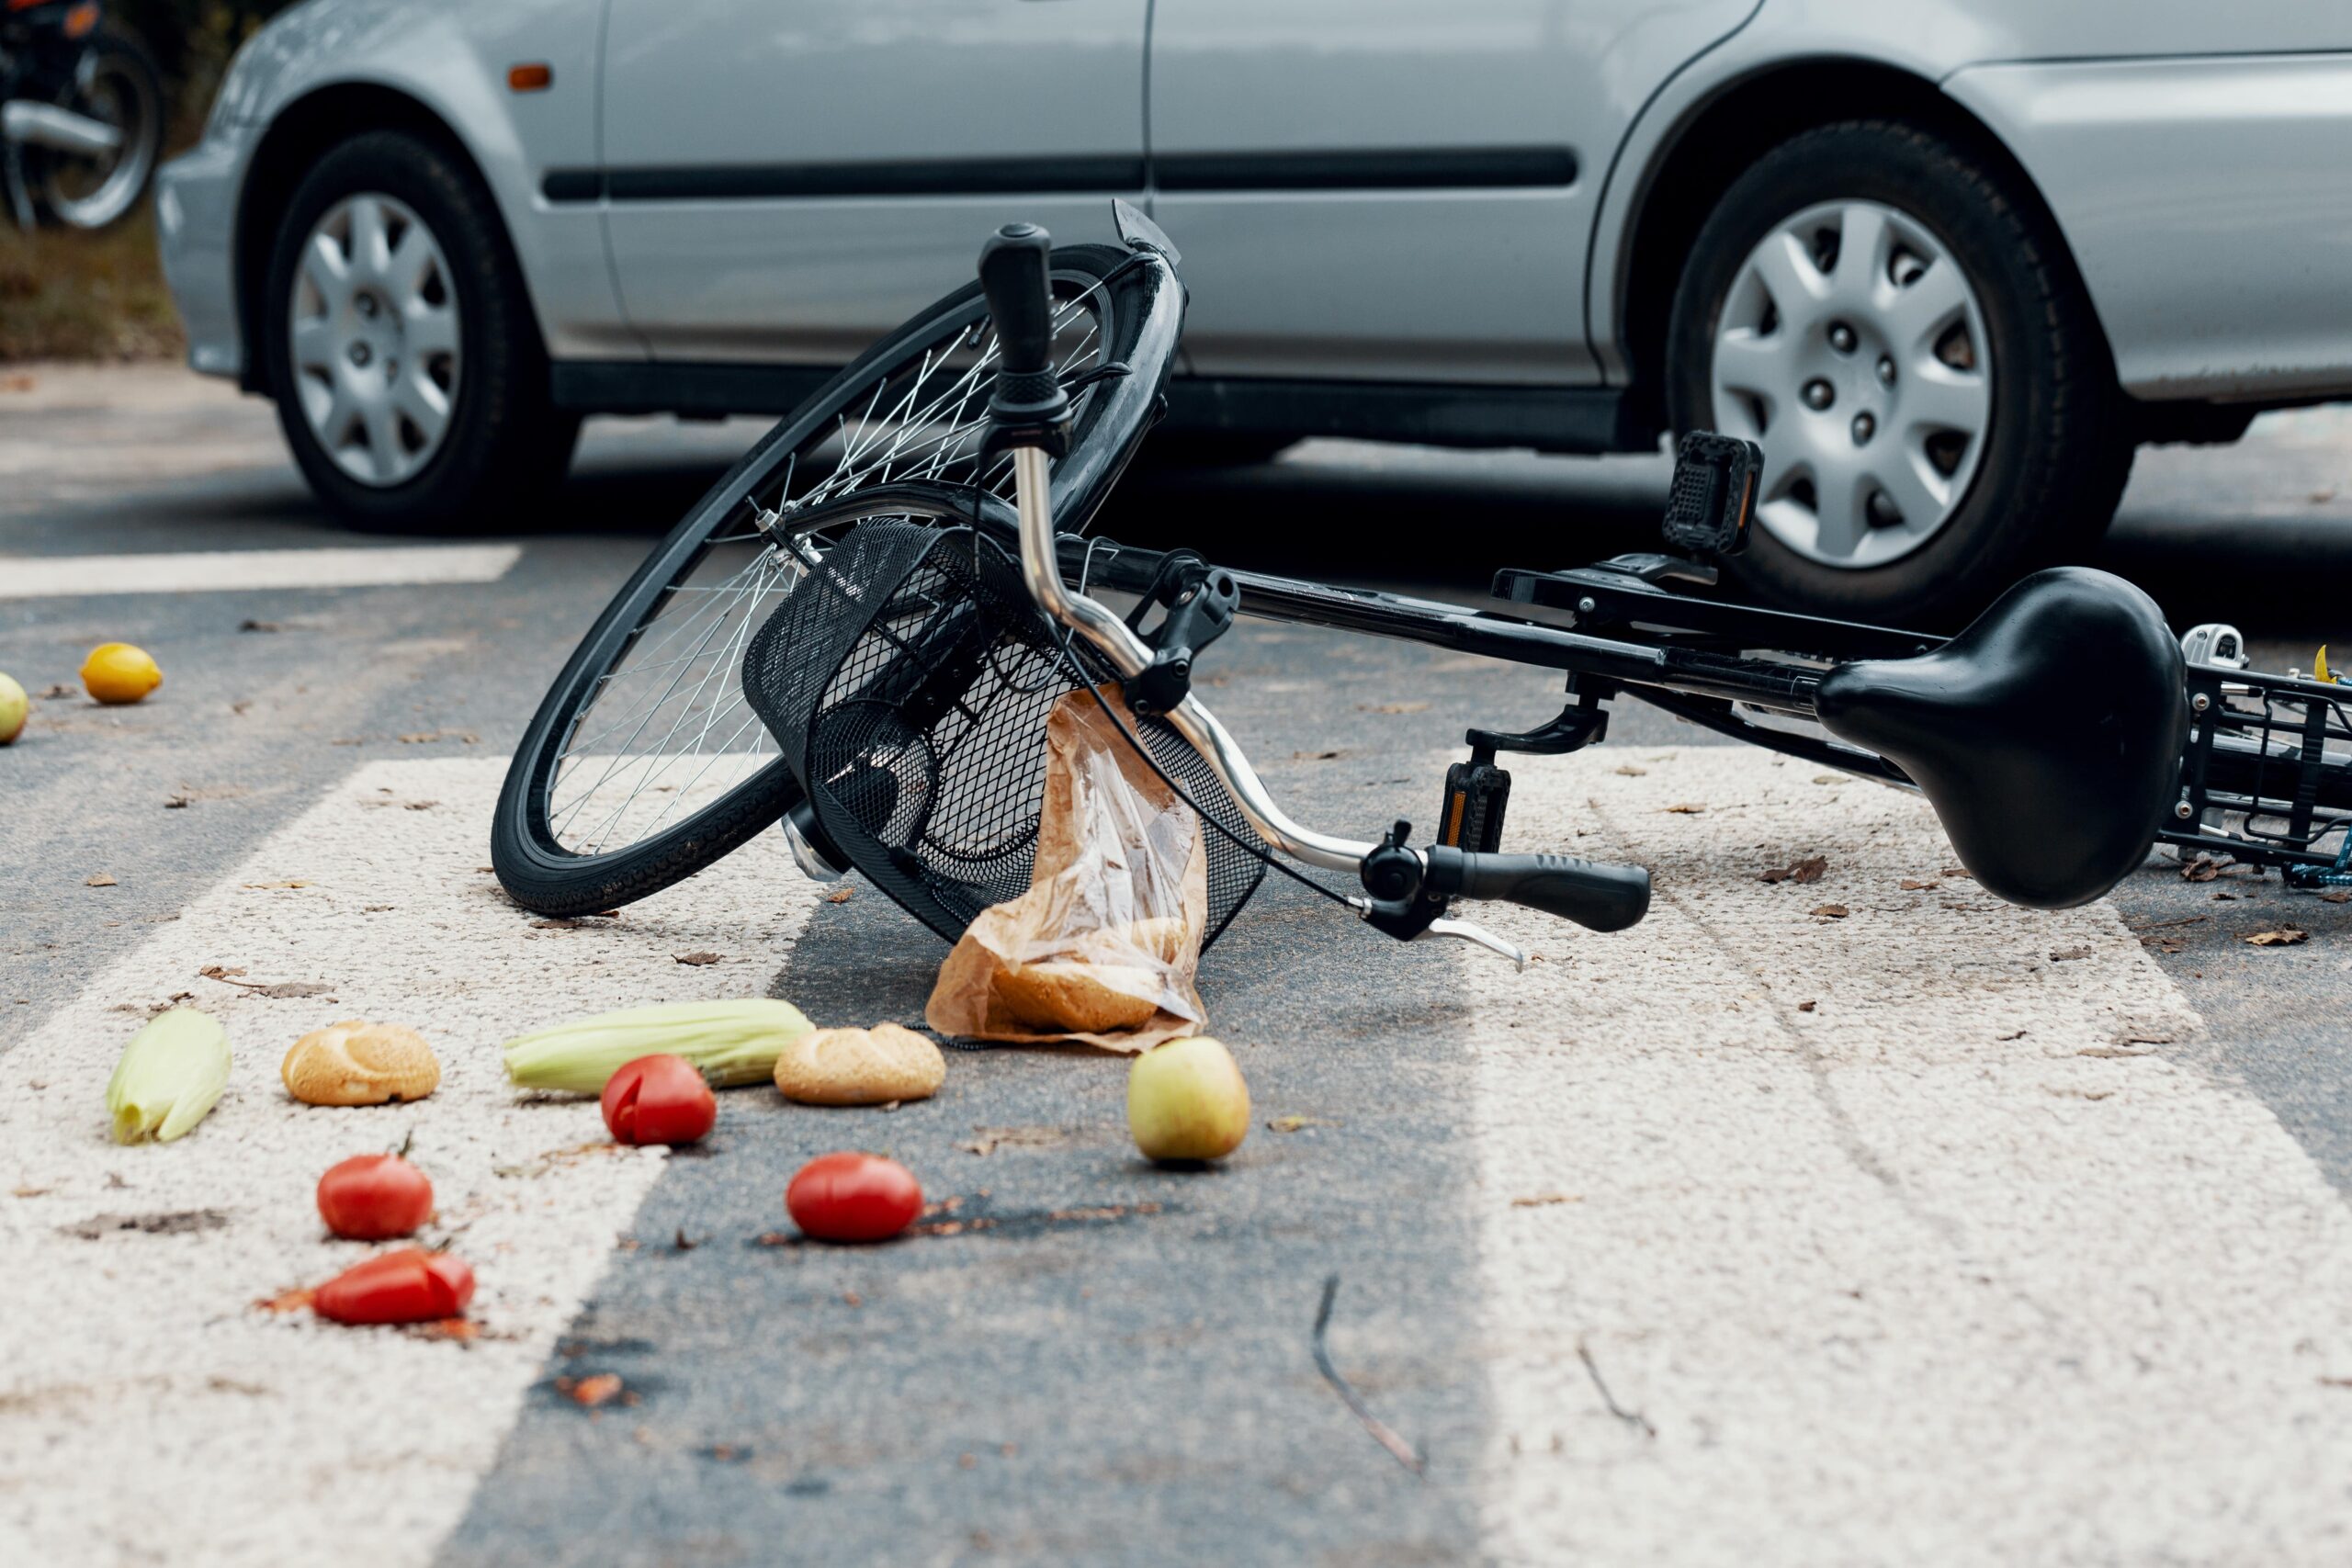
(2047, 736)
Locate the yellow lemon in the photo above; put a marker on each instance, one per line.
(117, 672)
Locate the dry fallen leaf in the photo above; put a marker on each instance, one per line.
(1913, 885)
(2068, 954)
(460, 1329)
(2201, 868)
(697, 959)
(601, 1388)
(2338, 896)
(2225, 897)
(99, 879)
(1546, 1200)
(2284, 936)
(1807, 1007)
(1811, 869)
(215, 972)
(842, 894)
(1315, 756)
(1832, 911)
(177, 803)
(1631, 772)
(1293, 1123)
(271, 886)
(1829, 778)
(1952, 871)
(1685, 809)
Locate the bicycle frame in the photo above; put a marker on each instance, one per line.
(2047, 807)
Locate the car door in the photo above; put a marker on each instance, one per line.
(1398, 189)
(788, 179)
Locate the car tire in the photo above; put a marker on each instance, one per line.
(353, 359)
(2034, 460)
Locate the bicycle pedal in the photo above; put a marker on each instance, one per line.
(1712, 498)
(1476, 794)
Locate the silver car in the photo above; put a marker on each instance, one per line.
(1949, 261)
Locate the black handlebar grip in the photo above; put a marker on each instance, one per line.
(1015, 266)
(1013, 274)
(1604, 898)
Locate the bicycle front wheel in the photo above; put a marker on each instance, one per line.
(644, 762)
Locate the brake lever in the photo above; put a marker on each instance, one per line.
(1478, 936)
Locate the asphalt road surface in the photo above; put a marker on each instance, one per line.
(1934, 1230)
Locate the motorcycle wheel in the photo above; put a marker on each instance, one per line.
(116, 82)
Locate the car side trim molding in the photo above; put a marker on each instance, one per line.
(1551, 419)
(1435, 168)
(1471, 168)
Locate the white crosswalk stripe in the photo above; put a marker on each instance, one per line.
(1895, 1234)
(149, 1411)
(198, 571)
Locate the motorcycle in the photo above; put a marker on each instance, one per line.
(81, 114)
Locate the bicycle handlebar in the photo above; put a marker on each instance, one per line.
(1025, 414)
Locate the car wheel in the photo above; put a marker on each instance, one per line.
(407, 370)
(1902, 335)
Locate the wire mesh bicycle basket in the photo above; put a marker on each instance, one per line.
(907, 679)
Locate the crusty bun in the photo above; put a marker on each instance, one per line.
(1083, 999)
(860, 1066)
(355, 1063)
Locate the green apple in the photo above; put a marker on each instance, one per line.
(12, 710)
(1187, 1101)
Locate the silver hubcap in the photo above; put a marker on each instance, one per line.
(375, 339)
(1852, 349)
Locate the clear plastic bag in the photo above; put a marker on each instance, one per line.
(1102, 948)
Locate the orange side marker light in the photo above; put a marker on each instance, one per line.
(531, 78)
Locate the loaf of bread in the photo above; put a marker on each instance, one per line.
(860, 1066)
(356, 1063)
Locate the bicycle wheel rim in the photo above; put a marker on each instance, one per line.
(543, 857)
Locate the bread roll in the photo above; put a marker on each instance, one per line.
(860, 1066)
(1084, 998)
(356, 1063)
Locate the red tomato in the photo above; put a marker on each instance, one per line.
(374, 1197)
(854, 1197)
(659, 1099)
(410, 1285)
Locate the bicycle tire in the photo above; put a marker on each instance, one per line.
(1138, 323)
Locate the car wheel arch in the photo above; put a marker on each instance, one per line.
(297, 135)
(1720, 136)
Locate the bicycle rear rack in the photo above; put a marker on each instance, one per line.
(2268, 775)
